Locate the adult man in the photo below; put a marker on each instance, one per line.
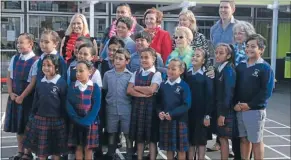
(123, 10)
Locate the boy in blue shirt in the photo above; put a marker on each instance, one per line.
(255, 82)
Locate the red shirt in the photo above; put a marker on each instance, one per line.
(162, 43)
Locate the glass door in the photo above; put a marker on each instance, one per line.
(11, 27)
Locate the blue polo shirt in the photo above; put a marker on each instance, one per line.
(220, 35)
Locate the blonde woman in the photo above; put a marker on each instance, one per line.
(78, 27)
(183, 37)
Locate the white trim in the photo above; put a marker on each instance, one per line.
(119, 154)
(13, 10)
(267, 119)
(277, 135)
(284, 145)
(276, 127)
(277, 152)
(277, 158)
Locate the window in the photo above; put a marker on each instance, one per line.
(11, 5)
(204, 27)
(53, 6)
(10, 29)
(136, 9)
(99, 27)
(245, 12)
(170, 26)
(264, 27)
(98, 7)
(264, 13)
(57, 23)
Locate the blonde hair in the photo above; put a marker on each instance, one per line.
(190, 15)
(85, 24)
(186, 31)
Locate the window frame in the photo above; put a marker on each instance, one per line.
(13, 10)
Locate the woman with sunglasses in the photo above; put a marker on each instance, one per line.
(183, 37)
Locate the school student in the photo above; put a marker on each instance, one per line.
(20, 91)
(202, 91)
(173, 103)
(118, 103)
(142, 86)
(224, 94)
(45, 132)
(255, 82)
(83, 104)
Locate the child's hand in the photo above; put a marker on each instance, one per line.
(19, 99)
(220, 121)
(237, 108)
(206, 122)
(210, 74)
(13, 96)
(168, 117)
(244, 106)
(162, 115)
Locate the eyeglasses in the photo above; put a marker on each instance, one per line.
(180, 37)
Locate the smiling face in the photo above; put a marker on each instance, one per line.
(147, 60)
(225, 10)
(77, 25)
(151, 20)
(24, 45)
(198, 59)
(82, 73)
(141, 43)
(253, 50)
(122, 11)
(122, 30)
(181, 39)
(240, 35)
(85, 54)
(184, 21)
(48, 68)
(174, 70)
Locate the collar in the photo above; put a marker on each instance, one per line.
(200, 71)
(220, 67)
(54, 80)
(152, 69)
(125, 71)
(53, 52)
(79, 84)
(259, 61)
(232, 20)
(27, 56)
(178, 80)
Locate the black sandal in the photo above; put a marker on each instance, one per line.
(27, 156)
(17, 156)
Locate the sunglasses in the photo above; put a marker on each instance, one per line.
(180, 37)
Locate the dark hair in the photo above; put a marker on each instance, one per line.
(206, 56)
(54, 35)
(55, 60)
(89, 64)
(144, 35)
(124, 5)
(229, 49)
(153, 53)
(261, 41)
(84, 39)
(124, 52)
(116, 41)
(182, 65)
(90, 46)
(126, 20)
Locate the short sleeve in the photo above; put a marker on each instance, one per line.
(33, 71)
(105, 84)
(157, 78)
(10, 67)
(132, 79)
(97, 79)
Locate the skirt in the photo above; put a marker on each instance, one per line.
(198, 133)
(85, 137)
(228, 130)
(16, 115)
(173, 136)
(46, 136)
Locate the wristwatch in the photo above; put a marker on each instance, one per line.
(207, 117)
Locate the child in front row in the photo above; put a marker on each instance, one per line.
(255, 83)
(142, 86)
(48, 43)
(173, 103)
(83, 104)
(45, 132)
(20, 91)
(118, 103)
(202, 90)
(224, 93)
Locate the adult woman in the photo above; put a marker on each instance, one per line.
(242, 30)
(78, 27)
(187, 19)
(161, 39)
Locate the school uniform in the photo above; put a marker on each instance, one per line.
(16, 115)
(71, 72)
(37, 67)
(83, 104)
(224, 94)
(202, 91)
(45, 133)
(118, 103)
(174, 98)
(255, 84)
(144, 122)
(105, 66)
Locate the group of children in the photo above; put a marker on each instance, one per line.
(68, 112)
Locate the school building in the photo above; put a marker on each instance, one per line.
(34, 16)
